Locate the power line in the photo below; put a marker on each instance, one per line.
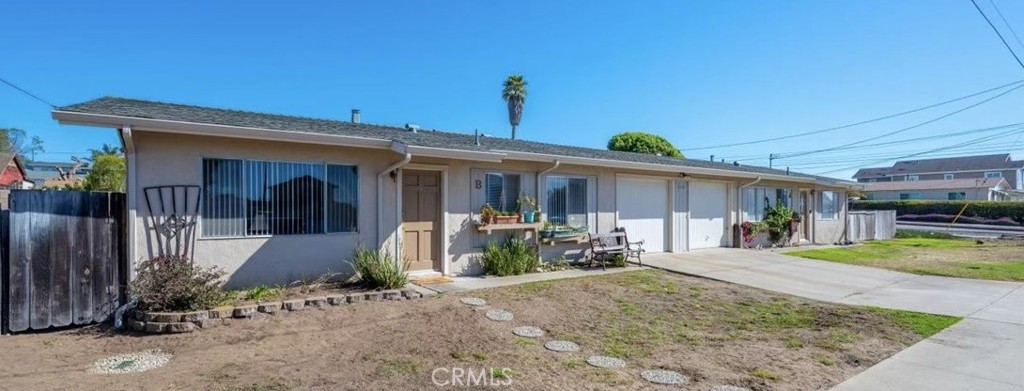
(982, 139)
(992, 145)
(857, 123)
(27, 93)
(902, 141)
(997, 33)
(1012, 31)
(992, 149)
(904, 129)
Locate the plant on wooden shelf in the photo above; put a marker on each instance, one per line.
(487, 214)
(528, 208)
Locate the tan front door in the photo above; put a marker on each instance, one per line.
(421, 219)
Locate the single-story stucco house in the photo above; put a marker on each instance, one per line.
(288, 197)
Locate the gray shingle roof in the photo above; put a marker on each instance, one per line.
(950, 164)
(425, 138)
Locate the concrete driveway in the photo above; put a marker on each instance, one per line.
(985, 351)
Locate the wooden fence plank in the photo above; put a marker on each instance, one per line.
(41, 268)
(19, 264)
(102, 263)
(64, 206)
(81, 260)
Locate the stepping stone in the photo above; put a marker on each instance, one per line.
(474, 301)
(499, 315)
(606, 362)
(729, 388)
(562, 346)
(661, 376)
(528, 331)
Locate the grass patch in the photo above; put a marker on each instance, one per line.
(574, 362)
(460, 355)
(766, 374)
(399, 367)
(524, 342)
(649, 282)
(607, 376)
(825, 359)
(480, 356)
(793, 342)
(920, 323)
(501, 373)
(913, 233)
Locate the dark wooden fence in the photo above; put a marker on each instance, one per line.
(63, 260)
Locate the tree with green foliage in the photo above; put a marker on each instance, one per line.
(514, 93)
(106, 149)
(642, 142)
(16, 141)
(107, 174)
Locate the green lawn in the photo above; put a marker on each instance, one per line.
(994, 260)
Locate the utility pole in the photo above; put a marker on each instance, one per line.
(771, 158)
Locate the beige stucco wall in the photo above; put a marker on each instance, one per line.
(828, 231)
(170, 159)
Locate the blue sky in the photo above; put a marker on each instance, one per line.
(697, 72)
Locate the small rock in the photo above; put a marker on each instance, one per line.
(474, 301)
(155, 327)
(729, 388)
(163, 317)
(316, 302)
(207, 323)
(139, 316)
(391, 294)
(337, 299)
(661, 376)
(562, 346)
(181, 327)
(355, 298)
(606, 362)
(269, 308)
(528, 331)
(411, 294)
(374, 296)
(136, 325)
(245, 311)
(499, 315)
(295, 305)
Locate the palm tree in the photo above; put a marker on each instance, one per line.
(514, 94)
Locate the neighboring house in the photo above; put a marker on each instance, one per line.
(55, 174)
(13, 176)
(290, 197)
(963, 167)
(984, 189)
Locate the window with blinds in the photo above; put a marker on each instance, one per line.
(502, 191)
(262, 198)
(567, 200)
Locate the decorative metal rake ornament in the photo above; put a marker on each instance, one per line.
(173, 212)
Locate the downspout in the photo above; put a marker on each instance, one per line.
(542, 173)
(739, 207)
(128, 145)
(407, 156)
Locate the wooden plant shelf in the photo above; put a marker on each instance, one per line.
(489, 228)
(574, 239)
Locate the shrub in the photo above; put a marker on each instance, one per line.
(777, 218)
(994, 210)
(378, 269)
(512, 257)
(176, 284)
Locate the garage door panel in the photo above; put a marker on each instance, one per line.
(708, 211)
(643, 210)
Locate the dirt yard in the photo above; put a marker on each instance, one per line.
(714, 332)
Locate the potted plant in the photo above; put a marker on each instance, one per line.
(525, 201)
(487, 214)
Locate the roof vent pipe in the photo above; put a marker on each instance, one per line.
(412, 127)
(355, 116)
(712, 157)
(787, 170)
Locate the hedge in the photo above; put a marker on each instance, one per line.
(985, 209)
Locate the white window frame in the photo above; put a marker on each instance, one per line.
(836, 206)
(513, 202)
(913, 178)
(591, 197)
(754, 207)
(245, 207)
(948, 176)
(993, 174)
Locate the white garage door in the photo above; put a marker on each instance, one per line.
(643, 210)
(708, 210)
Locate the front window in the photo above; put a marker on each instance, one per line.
(829, 204)
(912, 177)
(502, 191)
(955, 196)
(261, 198)
(993, 174)
(947, 176)
(910, 196)
(567, 200)
(757, 199)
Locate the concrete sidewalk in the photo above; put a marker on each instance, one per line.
(983, 352)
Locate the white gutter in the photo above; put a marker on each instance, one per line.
(131, 196)
(531, 156)
(169, 126)
(481, 156)
(407, 156)
(542, 173)
(739, 205)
